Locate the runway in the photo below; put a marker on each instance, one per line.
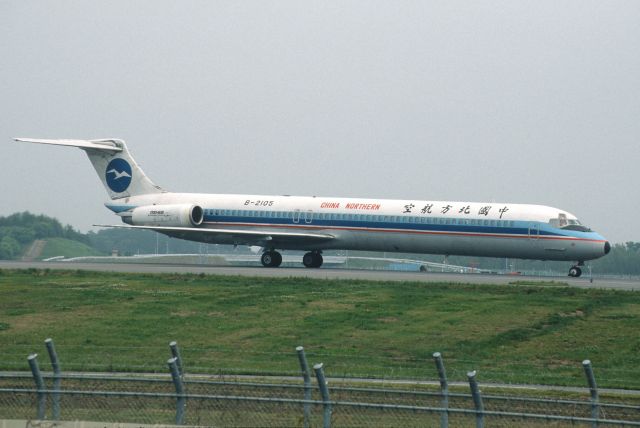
(327, 273)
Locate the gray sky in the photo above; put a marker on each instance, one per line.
(523, 102)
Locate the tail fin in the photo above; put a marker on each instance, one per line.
(118, 171)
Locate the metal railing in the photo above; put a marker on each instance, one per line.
(194, 400)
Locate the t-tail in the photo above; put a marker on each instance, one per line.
(116, 168)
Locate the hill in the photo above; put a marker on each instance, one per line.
(55, 247)
(18, 231)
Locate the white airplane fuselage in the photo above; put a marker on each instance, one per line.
(409, 226)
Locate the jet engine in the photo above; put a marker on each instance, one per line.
(174, 215)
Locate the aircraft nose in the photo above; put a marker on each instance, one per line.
(607, 247)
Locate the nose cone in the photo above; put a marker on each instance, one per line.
(607, 247)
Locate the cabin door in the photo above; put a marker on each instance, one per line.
(296, 216)
(308, 217)
(534, 232)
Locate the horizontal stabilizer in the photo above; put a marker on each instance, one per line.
(105, 145)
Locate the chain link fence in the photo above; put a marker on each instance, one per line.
(309, 401)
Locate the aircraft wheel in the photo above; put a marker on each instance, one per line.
(575, 272)
(318, 260)
(277, 259)
(307, 260)
(271, 259)
(312, 260)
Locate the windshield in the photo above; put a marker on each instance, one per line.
(562, 222)
(578, 227)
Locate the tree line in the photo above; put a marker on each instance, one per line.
(19, 230)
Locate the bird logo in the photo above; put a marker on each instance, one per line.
(118, 175)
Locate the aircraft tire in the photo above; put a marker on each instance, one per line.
(271, 259)
(307, 260)
(318, 260)
(575, 272)
(277, 259)
(312, 259)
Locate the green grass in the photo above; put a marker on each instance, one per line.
(67, 248)
(517, 333)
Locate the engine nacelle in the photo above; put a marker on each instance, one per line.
(174, 215)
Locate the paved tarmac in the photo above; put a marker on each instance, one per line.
(327, 273)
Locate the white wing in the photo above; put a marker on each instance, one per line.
(246, 237)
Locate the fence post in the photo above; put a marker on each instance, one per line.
(304, 366)
(177, 382)
(37, 377)
(591, 379)
(175, 352)
(324, 391)
(477, 399)
(55, 364)
(444, 390)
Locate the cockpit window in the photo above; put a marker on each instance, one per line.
(578, 227)
(562, 222)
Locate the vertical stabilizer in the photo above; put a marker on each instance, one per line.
(116, 168)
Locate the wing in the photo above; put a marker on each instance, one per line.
(235, 236)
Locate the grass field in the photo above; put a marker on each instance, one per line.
(516, 334)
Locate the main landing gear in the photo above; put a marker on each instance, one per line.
(575, 271)
(312, 259)
(271, 259)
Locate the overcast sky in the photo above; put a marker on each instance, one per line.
(523, 102)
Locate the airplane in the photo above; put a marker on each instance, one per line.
(314, 224)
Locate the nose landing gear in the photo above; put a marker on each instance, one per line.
(576, 270)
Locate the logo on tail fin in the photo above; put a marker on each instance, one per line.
(118, 175)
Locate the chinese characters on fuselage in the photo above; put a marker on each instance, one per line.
(448, 208)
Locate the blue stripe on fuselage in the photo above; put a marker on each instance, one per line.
(120, 208)
(521, 228)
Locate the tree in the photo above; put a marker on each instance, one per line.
(9, 247)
